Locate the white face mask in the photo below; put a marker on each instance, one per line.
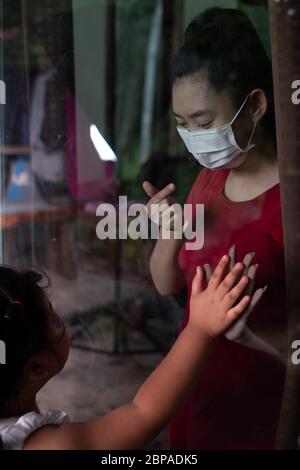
(214, 148)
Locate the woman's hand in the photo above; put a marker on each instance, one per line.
(161, 205)
(238, 329)
(214, 309)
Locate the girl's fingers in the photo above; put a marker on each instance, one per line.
(230, 280)
(218, 273)
(234, 312)
(197, 282)
(233, 295)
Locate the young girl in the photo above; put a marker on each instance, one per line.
(37, 347)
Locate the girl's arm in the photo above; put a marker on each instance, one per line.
(133, 426)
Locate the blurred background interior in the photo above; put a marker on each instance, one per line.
(88, 118)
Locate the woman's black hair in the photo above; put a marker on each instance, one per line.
(224, 43)
(26, 323)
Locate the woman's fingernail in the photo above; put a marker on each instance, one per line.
(265, 287)
(256, 265)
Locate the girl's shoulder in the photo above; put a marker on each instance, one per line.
(15, 431)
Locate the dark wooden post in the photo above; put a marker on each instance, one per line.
(285, 40)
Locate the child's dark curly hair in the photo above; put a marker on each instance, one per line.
(27, 323)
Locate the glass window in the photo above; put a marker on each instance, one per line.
(98, 97)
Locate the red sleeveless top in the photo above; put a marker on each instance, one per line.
(237, 400)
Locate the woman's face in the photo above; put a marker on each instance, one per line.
(196, 107)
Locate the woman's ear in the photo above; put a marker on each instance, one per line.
(258, 104)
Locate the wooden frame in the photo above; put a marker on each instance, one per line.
(285, 40)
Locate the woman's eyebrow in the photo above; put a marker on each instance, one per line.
(200, 112)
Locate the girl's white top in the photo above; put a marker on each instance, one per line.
(15, 431)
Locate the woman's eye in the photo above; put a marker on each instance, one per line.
(181, 124)
(206, 125)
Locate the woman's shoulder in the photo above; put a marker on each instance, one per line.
(15, 431)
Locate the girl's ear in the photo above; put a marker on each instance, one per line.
(40, 368)
(258, 104)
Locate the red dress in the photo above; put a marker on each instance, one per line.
(237, 400)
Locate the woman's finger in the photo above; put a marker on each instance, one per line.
(157, 210)
(163, 193)
(256, 297)
(207, 272)
(251, 273)
(232, 256)
(149, 188)
(176, 219)
(218, 273)
(247, 261)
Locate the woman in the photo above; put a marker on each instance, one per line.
(223, 103)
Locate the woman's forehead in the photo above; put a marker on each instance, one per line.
(195, 98)
(187, 95)
(192, 84)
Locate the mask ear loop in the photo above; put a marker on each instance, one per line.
(254, 126)
(250, 138)
(239, 110)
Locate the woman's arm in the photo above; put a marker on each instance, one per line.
(166, 274)
(133, 426)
